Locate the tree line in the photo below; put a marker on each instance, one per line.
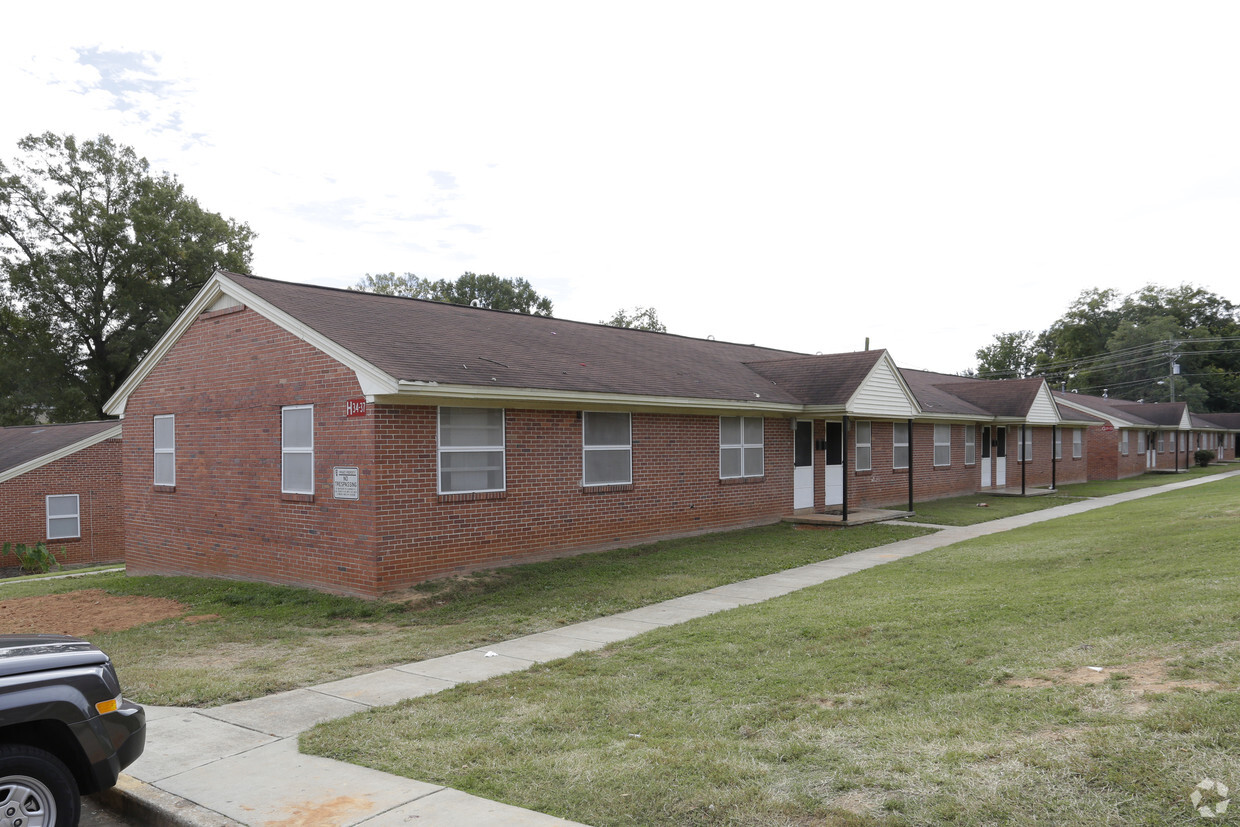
(1157, 344)
(99, 255)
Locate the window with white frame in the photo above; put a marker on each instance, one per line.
(740, 446)
(942, 445)
(165, 439)
(1058, 444)
(1024, 448)
(864, 446)
(471, 450)
(607, 448)
(1140, 442)
(899, 445)
(1076, 442)
(297, 449)
(63, 521)
(1162, 442)
(970, 444)
(1123, 442)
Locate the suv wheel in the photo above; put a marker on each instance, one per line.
(36, 789)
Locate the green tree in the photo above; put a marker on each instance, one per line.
(1126, 345)
(639, 318)
(515, 295)
(1012, 356)
(97, 257)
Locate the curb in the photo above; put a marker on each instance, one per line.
(154, 807)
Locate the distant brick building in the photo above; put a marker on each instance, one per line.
(361, 443)
(61, 484)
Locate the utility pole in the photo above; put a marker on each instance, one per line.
(1173, 368)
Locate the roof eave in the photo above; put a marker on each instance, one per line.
(434, 393)
(60, 453)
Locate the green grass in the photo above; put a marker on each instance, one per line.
(258, 639)
(891, 696)
(1101, 488)
(965, 510)
(958, 511)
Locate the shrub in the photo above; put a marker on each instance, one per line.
(1204, 456)
(36, 559)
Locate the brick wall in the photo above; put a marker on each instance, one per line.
(94, 474)
(545, 510)
(225, 381)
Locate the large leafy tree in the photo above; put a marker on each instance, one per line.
(1126, 346)
(488, 290)
(97, 257)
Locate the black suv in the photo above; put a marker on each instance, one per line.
(65, 730)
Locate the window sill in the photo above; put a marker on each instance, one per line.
(296, 498)
(607, 489)
(742, 480)
(472, 496)
(165, 489)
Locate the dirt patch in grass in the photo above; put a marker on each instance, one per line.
(84, 612)
(1141, 677)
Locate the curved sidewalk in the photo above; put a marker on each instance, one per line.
(239, 763)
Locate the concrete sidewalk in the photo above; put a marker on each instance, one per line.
(239, 764)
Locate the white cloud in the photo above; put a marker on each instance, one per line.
(798, 175)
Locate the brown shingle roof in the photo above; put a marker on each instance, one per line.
(1160, 414)
(829, 379)
(1227, 421)
(20, 444)
(424, 341)
(927, 386)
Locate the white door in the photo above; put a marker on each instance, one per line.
(833, 475)
(986, 456)
(803, 465)
(1000, 457)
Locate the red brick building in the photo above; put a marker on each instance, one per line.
(61, 484)
(1131, 438)
(361, 443)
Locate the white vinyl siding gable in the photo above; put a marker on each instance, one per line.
(471, 450)
(882, 392)
(63, 517)
(741, 446)
(607, 448)
(165, 449)
(297, 449)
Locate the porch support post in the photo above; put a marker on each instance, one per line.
(910, 464)
(1024, 459)
(844, 451)
(1054, 462)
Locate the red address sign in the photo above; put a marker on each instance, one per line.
(355, 407)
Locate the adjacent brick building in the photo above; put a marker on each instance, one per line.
(361, 443)
(61, 484)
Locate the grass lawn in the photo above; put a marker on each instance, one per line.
(952, 687)
(965, 511)
(234, 641)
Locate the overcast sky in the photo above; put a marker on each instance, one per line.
(796, 175)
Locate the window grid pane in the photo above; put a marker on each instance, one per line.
(863, 446)
(970, 444)
(741, 446)
(942, 445)
(899, 445)
(297, 449)
(164, 437)
(607, 454)
(62, 517)
(471, 450)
